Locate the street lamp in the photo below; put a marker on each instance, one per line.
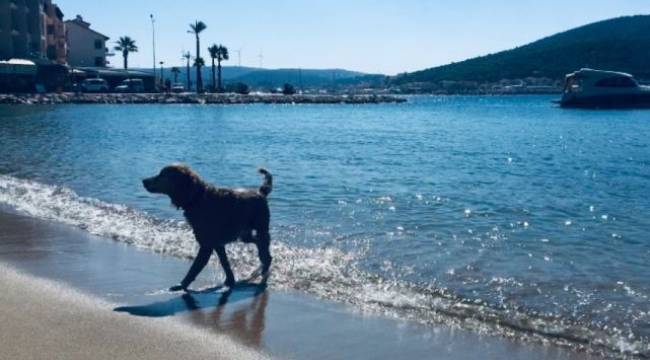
(162, 77)
(153, 41)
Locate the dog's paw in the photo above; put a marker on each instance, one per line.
(265, 277)
(229, 282)
(178, 287)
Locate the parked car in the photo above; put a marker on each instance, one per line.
(178, 88)
(94, 85)
(131, 85)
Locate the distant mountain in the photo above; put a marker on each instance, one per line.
(274, 78)
(621, 44)
(298, 77)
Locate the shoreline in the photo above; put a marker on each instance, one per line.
(46, 317)
(192, 98)
(269, 321)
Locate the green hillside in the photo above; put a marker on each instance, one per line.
(305, 77)
(621, 44)
(273, 78)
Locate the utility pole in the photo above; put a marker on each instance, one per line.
(187, 56)
(153, 42)
(162, 75)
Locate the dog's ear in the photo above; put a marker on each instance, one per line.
(187, 186)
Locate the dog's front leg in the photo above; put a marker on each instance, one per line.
(199, 263)
(225, 264)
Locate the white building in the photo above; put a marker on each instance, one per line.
(86, 47)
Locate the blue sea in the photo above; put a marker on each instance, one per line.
(500, 214)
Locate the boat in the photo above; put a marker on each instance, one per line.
(589, 88)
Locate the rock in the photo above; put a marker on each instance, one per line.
(187, 98)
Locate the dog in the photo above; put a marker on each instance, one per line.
(218, 216)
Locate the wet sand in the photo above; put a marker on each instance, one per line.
(127, 285)
(45, 320)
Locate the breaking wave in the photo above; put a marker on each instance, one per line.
(329, 273)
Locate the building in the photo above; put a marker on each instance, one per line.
(86, 47)
(54, 40)
(32, 29)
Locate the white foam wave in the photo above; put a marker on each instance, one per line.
(97, 217)
(326, 272)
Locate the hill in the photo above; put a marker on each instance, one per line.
(273, 78)
(298, 77)
(621, 44)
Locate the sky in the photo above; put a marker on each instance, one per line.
(374, 36)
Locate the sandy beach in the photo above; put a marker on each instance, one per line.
(44, 319)
(75, 296)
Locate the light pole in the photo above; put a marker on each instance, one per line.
(162, 75)
(153, 41)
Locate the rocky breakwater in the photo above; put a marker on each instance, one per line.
(192, 98)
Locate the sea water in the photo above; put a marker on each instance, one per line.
(502, 215)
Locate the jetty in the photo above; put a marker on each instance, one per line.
(193, 98)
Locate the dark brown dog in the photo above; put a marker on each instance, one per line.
(218, 216)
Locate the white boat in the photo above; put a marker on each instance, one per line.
(603, 89)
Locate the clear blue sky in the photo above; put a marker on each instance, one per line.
(365, 35)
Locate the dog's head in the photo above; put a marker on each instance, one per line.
(179, 182)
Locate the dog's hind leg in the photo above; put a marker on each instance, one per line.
(264, 252)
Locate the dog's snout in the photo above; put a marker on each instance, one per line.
(147, 184)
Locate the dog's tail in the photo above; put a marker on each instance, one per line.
(267, 185)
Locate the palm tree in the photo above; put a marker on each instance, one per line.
(198, 62)
(196, 29)
(213, 50)
(187, 56)
(126, 45)
(220, 53)
(175, 70)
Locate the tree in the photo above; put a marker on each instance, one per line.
(288, 89)
(239, 88)
(220, 53)
(175, 70)
(187, 56)
(198, 62)
(126, 45)
(196, 29)
(213, 50)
